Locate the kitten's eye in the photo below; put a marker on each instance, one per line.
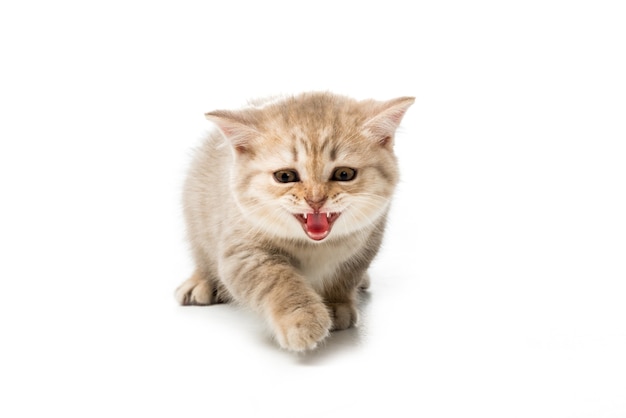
(286, 176)
(343, 174)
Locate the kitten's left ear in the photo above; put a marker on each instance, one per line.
(386, 119)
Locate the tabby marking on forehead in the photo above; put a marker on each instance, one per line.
(332, 150)
(287, 219)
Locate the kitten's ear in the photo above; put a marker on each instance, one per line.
(237, 127)
(386, 119)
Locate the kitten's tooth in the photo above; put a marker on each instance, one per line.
(306, 215)
(327, 215)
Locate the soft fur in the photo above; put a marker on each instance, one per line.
(247, 230)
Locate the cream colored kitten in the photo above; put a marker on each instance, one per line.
(286, 207)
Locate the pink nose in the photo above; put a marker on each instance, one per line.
(316, 204)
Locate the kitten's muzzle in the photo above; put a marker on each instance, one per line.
(317, 225)
(316, 205)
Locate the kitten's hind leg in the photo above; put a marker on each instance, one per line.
(344, 315)
(341, 298)
(199, 290)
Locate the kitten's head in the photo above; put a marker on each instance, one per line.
(311, 164)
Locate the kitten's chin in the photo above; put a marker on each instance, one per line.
(317, 225)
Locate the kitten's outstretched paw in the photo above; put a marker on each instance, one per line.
(195, 291)
(345, 315)
(304, 328)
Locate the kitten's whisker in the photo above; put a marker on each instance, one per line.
(372, 195)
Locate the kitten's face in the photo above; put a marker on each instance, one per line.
(293, 187)
(311, 170)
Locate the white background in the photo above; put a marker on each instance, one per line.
(501, 288)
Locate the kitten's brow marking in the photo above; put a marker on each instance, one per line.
(294, 153)
(333, 153)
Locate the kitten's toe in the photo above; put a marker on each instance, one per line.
(344, 316)
(304, 328)
(195, 291)
(365, 282)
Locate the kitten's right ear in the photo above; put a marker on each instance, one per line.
(235, 127)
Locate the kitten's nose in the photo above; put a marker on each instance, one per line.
(316, 204)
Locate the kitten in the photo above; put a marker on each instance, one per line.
(286, 206)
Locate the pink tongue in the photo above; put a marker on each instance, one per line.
(317, 223)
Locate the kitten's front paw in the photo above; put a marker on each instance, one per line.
(345, 315)
(195, 291)
(304, 328)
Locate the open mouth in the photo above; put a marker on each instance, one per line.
(317, 225)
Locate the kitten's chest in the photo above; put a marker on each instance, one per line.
(321, 264)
